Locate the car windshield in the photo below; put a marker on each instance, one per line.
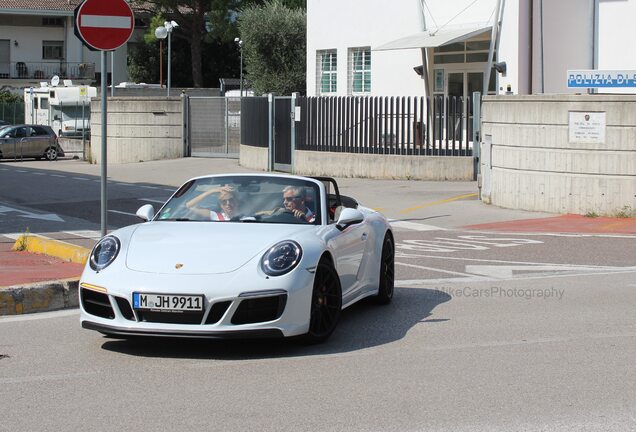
(245, 199)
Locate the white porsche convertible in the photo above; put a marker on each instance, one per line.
(240, 255)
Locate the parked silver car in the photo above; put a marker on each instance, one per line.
(29, 141)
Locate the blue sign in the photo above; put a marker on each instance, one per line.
(601, 78)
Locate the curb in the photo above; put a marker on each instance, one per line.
(39, 297)
(55, 248)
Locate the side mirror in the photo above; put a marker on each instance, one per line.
(146, 212)
(349, 216)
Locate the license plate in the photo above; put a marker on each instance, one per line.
(168, 302)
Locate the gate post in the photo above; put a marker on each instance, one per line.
(227, 126)
(292, 114)
(270, 129)
(476, 133)
(185, 120)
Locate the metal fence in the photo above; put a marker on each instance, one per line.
(12, 112)
(44, 70)
(214, 126)
(388, 125)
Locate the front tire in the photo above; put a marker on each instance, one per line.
(326, 304)
(51, 153)
(387, 271)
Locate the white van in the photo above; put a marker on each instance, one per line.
(66, 109)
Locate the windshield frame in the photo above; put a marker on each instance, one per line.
(250, 187)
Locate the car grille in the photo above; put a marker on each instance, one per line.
(125, 308)
(96, 303)
(217, 312)
(171, 317)
(260, 309)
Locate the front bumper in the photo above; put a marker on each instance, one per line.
(278, 307)
(234, 334)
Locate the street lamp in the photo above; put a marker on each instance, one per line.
(239, 42)
(161, 33)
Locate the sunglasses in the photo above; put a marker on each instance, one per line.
(293, 198)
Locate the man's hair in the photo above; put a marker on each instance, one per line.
(298, 191)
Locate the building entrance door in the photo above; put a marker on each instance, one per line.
(5, 58)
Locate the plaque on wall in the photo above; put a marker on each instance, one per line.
(586, 127)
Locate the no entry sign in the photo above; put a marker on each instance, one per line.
(104, 25)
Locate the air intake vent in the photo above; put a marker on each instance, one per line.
(97, 304)
(217, 312)
(124, 307)
(261, 309)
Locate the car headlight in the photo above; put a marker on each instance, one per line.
(104, 252)
(281, 258)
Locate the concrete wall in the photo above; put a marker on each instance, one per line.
(533, 165)
(254, 157)
(366, 166)
(383, 166)
(138, 129)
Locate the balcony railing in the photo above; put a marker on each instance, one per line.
(46, 70)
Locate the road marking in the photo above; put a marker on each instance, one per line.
(474, 243)
(435, 269)
(169, 190)
(462, 280)
(508, 272)
(93, 235)
(27, 214)
(414, 226)
(446, 258)
(81, 178)
(447, 200)
(38, 173)
(124, 184)
(151, 200)
(122, 212)
(150, 187)
(57, 175)
(21, 171)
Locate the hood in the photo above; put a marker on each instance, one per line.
(202, 247)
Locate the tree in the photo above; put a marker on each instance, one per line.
(274, 47)
(190, 15)
(206, 31)
(8, 97)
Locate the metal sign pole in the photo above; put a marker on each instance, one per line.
(169, 60)
(103, 158)
(112, 73)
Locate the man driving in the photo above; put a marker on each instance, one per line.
(294, 202)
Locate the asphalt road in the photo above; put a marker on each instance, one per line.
(487, 331)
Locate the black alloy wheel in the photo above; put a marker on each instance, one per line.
(326, 303)
(51, 153)
(387, 271)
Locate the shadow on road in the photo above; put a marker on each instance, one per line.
(363, 325)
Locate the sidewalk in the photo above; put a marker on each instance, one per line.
(38, 282)
(568, 223)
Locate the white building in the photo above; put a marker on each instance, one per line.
(37, 41)
(371, 47)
